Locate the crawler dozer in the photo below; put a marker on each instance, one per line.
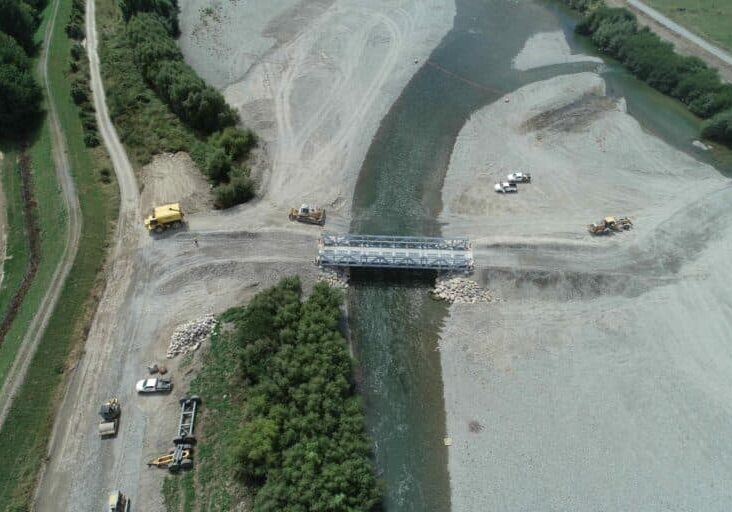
(164, 217)
(308, 214)
(608, 224)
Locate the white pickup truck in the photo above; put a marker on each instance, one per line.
(154, 386)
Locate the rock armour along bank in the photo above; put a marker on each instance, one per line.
(460, 290)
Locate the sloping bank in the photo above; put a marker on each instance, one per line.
(282, 426)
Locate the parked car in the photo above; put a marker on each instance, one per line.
(153, 385)
(506, 188)
(519, 177)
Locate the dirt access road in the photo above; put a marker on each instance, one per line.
(153, 285)
(38, 324)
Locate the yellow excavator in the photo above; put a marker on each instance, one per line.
(164, 217)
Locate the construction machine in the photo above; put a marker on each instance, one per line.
(118, 502)
(180, 457)
(608, 224)
(164, 217)
(110, 412)
(309, 214)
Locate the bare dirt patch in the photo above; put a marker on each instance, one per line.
(173, 178)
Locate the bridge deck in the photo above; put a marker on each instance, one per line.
(374, 251)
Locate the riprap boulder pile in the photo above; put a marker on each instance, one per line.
(460, 290)
(189, 336)
(335, 278)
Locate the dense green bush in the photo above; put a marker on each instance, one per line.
(166, 9)
(198, 105)
(19, 21)
(20, 99)
(236, 143)
(12, 53)
(303, 443)
(719, 128)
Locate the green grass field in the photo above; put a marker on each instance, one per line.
(711, 19)
(24, 437)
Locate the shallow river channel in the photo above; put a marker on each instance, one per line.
(393, 321)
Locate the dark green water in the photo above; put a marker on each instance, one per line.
(394, 324)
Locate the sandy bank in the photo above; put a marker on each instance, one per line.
(314, 79)
(588, 159)
(174, 178)
(546, 49)
(601, 382)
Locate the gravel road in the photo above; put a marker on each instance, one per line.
(38, 324)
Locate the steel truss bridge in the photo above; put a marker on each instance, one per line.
(406, 252)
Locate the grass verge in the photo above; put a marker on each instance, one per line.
(710, 19)
(24, 436)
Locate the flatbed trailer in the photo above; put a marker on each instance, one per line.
(188, 409)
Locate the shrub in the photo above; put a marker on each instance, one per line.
(91, 139)
(75, 30)
(239, 189)
(218, 166)
(19, 21)
(719, 128)
(12, 53)
(77, 51)
(166, 9)
(236, 143)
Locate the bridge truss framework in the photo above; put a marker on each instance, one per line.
(405, 252)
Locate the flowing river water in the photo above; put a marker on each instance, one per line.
(394, 323)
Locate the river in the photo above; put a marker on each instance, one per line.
(394, 323)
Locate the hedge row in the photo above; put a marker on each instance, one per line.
(79, 75)
(615, 32)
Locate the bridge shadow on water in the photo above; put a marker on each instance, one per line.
(392, 278)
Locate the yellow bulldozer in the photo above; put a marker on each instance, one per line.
(610, 224)
(164, 217)
(308, 214)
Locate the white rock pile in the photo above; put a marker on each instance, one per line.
(335, 278)
(189, 336)
(460, 290)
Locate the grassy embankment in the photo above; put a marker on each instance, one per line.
(24, 436)
(282, 427)
(710, 19)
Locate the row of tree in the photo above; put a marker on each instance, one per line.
(615, 31)
(20, 94)
(79, 74)
(303, 444)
